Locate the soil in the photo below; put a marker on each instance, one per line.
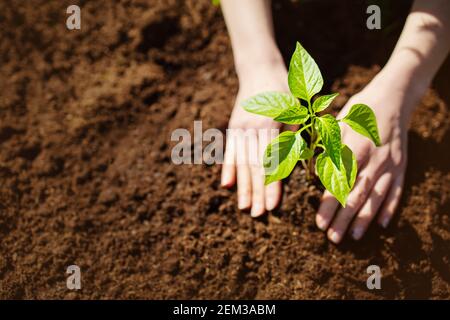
(86, 176)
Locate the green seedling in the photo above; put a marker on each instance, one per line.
(320, 135)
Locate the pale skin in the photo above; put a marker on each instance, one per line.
(392, 94)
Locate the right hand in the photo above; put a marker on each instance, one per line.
(239, 165)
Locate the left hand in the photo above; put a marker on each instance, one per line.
(381, 170)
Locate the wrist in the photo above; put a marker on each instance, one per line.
(403, 78)
(404, 72)
(255, 58)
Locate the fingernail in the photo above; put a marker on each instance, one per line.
(335, 237)
(357, 233)
(385, 222)
(321, 223)
(271, 203)
(243, 203)
(257, 210)
(225, 183)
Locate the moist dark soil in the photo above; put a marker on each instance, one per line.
(86, 176)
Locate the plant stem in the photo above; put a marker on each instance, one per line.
(310, 108)
(310, 169)
(312, 135)
(304, 128)
(305, 166)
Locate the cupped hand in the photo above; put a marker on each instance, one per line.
(381, 170)
(246, 144)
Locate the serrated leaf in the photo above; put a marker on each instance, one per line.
(294, 115)
(362, 119)
(304, 77)
(271, 104)
(349, 165)
(330, 133)
(322, 102)
(333, 179)
(282, 154)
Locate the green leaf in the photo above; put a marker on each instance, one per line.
(294, 115)
(321, 103)
(362, 119)
(271, 104)
(304, 77)
(349, 165)
(306, 154)
(282, 154)
(333, 179)
(330, 133)
(338, 181)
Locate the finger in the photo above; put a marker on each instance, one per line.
(361, 151)
(257, 175)
(326, 211)
(391, 202)
(272, 191)
(291, 127)
(355, 200)
(229, 164)
(244, 187)
(370, 207)
(273, 195)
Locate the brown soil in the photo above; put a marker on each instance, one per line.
(86, 176)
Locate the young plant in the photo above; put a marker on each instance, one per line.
(335, 164)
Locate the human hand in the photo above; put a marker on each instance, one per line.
(244, 150)
(381, 170)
